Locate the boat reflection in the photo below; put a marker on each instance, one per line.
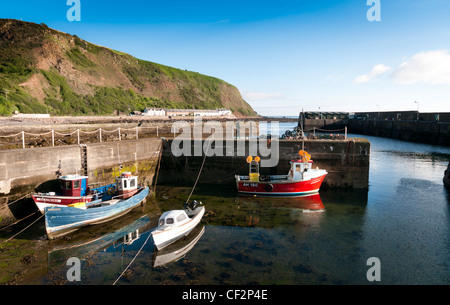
(179, 249)
(308, 203)
(86, 244)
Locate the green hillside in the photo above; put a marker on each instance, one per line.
(46, 71)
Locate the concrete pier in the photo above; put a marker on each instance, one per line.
(428, 132)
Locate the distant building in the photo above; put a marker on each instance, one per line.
(198, 112)
(178, 112)
(154, 112)
(224, 112)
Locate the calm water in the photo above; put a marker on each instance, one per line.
(404, 220)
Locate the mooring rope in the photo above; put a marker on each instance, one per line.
(10, 203)
(12, 237)
(199, 173)
(10, 225)
(159, 166)
(148, 237)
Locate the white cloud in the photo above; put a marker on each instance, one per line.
(376, 71)
(257, 96)
(432, 67)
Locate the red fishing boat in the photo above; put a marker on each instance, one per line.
(301, 179)
(76, 192)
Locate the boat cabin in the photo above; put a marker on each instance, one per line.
(298, 168)
(173, 218)
(126, 185)
(74, 185)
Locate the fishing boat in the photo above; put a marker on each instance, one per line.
(61, 220)
(75, 191)
(302, 179)
(175, 224)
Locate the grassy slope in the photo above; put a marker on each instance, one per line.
(122, 82)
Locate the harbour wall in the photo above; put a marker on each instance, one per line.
(23, 171)
(347, 162)
(428, 132)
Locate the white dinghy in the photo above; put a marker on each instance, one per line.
(175, 224)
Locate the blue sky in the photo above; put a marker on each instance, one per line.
(284, 55)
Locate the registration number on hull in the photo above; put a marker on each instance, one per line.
(250, 184)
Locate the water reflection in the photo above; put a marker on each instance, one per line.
(88, 242)
(179, 249)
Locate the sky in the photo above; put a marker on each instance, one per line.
(284, 56)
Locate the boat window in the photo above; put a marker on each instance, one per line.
(297, 168)
(161, 222)
(169, 221)
(66, 185)
(76, 184)
(124, 183)
(181, 217)
(133, 182)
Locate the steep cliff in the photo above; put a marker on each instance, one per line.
(46, 71)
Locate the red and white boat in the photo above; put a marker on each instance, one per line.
(301, 179)
(76, 192)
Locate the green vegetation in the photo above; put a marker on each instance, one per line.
(79, 59)
(122, 82)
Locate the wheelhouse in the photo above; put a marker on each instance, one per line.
(74, 185)
(126, 184)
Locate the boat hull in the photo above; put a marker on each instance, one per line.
(44, 201)
(60, 220)
(280, 187)
(164, 238)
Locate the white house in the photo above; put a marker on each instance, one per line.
(224, 112)
(154, 112)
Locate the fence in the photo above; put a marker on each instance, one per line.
(137, 130)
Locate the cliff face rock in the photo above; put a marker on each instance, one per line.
(44, 70)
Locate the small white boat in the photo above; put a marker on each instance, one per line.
(175, 224)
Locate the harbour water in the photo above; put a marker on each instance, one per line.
(403, 220)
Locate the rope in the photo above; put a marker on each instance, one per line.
(89, 132)
(14, 135)
(37, 135)
(149, 234)
(201, 168)
(2, 229)
(159, 166)
(110, 131)
(24, 229)
(65, 134)
(230, 176)
(132, 129)
(18, 199)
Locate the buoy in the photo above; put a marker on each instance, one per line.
(249, 159)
